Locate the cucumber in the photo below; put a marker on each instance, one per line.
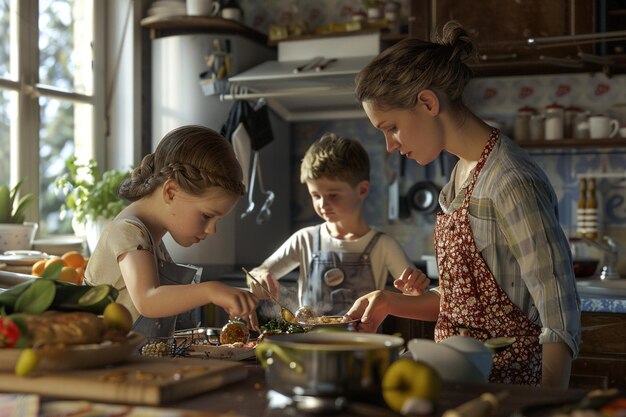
(37, 298)
(498, 344)
(10, 296)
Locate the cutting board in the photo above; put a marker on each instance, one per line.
(142, 380)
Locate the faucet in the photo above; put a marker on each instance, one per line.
(609, 270)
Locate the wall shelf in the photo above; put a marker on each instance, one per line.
(161, 26)
(575, 143)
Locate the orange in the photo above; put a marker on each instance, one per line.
(53, 261)
(73, 259)
(38, 268)
(69, 274)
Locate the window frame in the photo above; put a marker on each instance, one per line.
(25, 155)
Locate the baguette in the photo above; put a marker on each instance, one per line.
(75, 328)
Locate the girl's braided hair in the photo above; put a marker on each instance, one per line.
(196, 157)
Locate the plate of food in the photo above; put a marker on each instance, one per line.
(328, 321)
(62, 357)
(233, 351)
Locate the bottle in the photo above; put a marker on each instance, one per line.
(591, 207)
(581, 219)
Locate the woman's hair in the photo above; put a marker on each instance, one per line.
(335, 158)
(396, 76)
(195, 157)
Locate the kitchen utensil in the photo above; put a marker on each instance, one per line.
(284, 311)
(265, 213)
(251, 204)
(322, 66)
(329, 364)
(140, 380)
(423, 197)
(309, 64)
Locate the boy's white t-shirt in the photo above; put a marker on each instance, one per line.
(387, 256)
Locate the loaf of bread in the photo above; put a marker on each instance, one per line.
(73, 328)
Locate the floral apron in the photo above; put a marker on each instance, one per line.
(472, 299)
(337, 279)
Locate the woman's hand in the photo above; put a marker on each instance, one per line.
(371, 309)
(236, 302)
(265, 277)
(412, 282)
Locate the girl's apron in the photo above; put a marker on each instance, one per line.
(170, 273)
(472, 299)
(337, 279)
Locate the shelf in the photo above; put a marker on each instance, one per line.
(575, 143)
(161, 26)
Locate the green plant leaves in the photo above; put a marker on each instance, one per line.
(10, 212)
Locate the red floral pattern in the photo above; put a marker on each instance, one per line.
(472, 299)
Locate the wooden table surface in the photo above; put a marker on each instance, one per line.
(250, 398)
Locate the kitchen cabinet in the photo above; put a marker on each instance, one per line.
(601, 362)
(501, 30)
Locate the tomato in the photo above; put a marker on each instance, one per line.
(9, 333)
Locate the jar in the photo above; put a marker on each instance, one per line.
(522, 123)
(581, 125)
(554, 122)
(537, 127)
(569, 126)
(234, 331)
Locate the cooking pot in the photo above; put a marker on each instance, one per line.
(331, 364)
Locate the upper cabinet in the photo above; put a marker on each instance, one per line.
(530, 36)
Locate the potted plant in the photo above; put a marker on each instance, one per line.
(15, 233)
(92, 197)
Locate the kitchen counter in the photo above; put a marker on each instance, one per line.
(250, 398)
(607, 296)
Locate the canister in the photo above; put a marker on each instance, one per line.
(569, 126)
(554, 122)
(522, 123)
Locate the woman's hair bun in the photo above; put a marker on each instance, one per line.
(454, 36)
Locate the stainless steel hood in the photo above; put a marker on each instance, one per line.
(311, 94)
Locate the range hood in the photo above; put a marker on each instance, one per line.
(325, 93)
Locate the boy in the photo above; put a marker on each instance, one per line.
(342, 258)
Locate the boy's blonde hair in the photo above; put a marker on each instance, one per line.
(336, 158)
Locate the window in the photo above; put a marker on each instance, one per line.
(49, 111)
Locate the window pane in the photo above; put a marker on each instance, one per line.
(65, 40)
(5, 39)
(66, 130)
(8, 100)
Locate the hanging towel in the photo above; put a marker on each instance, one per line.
(243, 151)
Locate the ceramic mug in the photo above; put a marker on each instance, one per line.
(203, 7)
(622, 131)
(602, 127)
(231, 13)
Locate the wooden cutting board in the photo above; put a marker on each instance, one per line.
(142, 380)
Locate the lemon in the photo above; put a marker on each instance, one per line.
(117, 316)
(26, 362)
(407, 379)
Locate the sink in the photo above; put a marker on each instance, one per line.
(602, 288)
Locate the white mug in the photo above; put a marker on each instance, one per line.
(602, 127)
(203, 7)
(231, 13)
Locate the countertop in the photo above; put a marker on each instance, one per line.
(250, 398)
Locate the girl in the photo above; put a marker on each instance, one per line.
(505, 267)
(185, 187)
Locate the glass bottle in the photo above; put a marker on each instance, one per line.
(592, 210)
(581, 218)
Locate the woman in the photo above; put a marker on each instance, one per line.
(505, 267)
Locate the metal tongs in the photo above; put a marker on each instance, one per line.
(284, 311)
(265, 213)
(255, 161)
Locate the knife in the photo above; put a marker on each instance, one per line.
(321, 66)
(309, 65)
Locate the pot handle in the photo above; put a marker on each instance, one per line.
(265, 347)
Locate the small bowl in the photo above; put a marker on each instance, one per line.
(585, 267)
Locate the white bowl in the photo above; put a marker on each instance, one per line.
(451, 364)
(474, 350)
